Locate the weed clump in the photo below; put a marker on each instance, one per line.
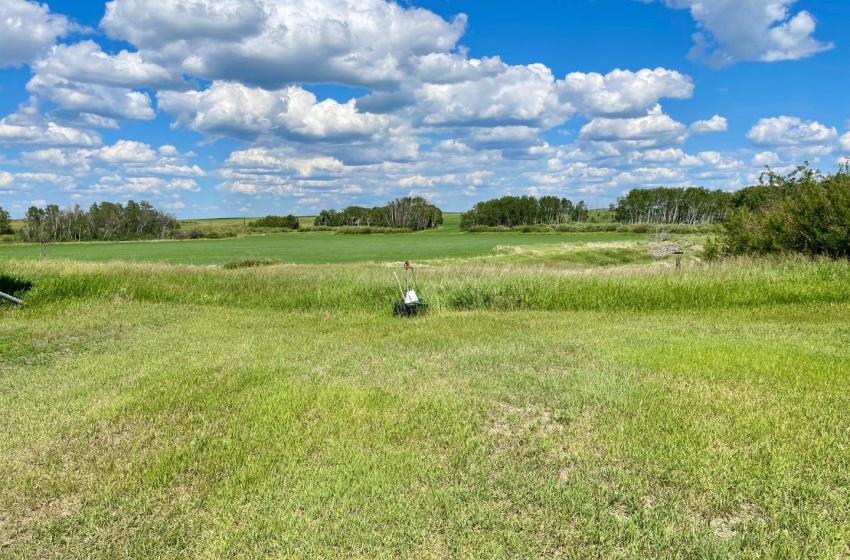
(249, 262)
(207, 233)
(367, 230)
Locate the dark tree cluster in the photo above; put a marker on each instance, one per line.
(411, 213)
(106, 221)
(510, 211)
(803, 212)
(666, 205)
(5, 222)
(289, 221)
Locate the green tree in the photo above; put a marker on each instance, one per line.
(328, 218)
(409, 212)
(580, 212)
(33, 229)
(5, 222)
(665, 205)
(565, 212)
(510, 211)
(806, 212)
(289, 222)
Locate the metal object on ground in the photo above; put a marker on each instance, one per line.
(410, 303)
(12, 299)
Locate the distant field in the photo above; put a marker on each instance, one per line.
(243, 221)
(601, 215)
(310, 248)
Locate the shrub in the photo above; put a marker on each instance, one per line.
(711, 250)
(193, 233)
(809, 213)
(367, 230)
(249, 262)
(289, 222)
(220, 232)
(533, 229)
(267, 230)
(206, 233)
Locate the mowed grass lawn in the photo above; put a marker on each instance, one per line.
(244, 416)
(309, 248)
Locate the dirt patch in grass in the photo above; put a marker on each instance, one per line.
(661, 251)
(21, 526)
(729, 525)
(511, 422)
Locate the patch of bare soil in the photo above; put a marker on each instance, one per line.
(662, 251)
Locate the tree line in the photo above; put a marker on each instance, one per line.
(510, 211)
(805, 211)
(670, 205)
(414, 213)
(106, 221)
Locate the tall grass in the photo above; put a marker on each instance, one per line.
(733, 284)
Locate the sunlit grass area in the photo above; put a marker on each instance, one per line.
(510, 282)
(321, 247)
(561, 400)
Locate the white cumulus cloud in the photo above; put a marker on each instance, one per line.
(235, 109)
(757, 30)
(766, 158)
(656, 128)
(259, 160)
(790, 131)
(105, 101)
(117, 184)
(845, 142)
(48, 134)
(623, 92)
(501, 95)
(714, 124)
(87, 63)
(27, 29)
(272, 44)
(126, 151)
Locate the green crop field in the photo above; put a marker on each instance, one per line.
(308, 247)
(564, 396)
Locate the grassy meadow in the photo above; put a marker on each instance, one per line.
(563, 397)
(308, 247)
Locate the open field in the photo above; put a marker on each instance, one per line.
(562, 399)
(309, 248)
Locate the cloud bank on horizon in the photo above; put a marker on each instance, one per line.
(226, 107)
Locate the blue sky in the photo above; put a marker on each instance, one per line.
(249, 107)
